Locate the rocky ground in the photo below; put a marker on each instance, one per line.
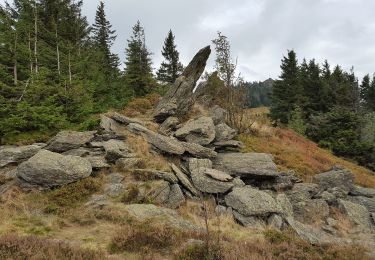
(154, 167)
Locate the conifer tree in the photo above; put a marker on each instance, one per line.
(367, 93)
(138, 72)
(286, 90)
(171, 67)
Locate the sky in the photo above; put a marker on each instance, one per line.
(260, 31)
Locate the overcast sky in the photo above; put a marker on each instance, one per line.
(260, 31)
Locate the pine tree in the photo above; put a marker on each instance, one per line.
(286, 92)
(138, 72)
(103, 37)
(171, 68)
(367, 93)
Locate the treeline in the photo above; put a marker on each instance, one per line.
(258, 93)
(56, 70)
(330, 106)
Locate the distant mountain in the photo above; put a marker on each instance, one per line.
(258, 93)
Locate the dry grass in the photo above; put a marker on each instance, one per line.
(32, 247)
(142, 105)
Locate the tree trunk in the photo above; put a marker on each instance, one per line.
(58, 53)
(30, 55)
(36, 37)
(15, 64)
(70, 69)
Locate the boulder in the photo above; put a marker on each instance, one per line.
(286, 207)
(200, 131)
(369, 203)
(283, 181)
(275, 221)
(68, 140)
(128, 163)
(150, 212)
(249, 201)
(184, 180)
(224, 133)
(114, 189)
(302, 192)
(163, 143)
(169, 126)
(179, 99)
(160, 192)
(110, 125)
(115, 149)
(155, 174)
(361, 191)
(218, 114)
(249, 221)
(246, 165)
(336, 178)
(98, 162)
(223, 211)
(311, 211)
(124, 119)
(195, 164)
(175, 197)
(356, 213)
(199, 151)
(17, 154)
(78, 152)
(230, 145)
(206, 184)
(48, 169)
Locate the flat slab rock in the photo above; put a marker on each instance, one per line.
(249, 201)
(200, 131)
(47, 169)
(17, 154)
(150, 212)
(336, 178)
(68, 140)
(246, 164)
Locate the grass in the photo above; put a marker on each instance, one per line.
(32, 247)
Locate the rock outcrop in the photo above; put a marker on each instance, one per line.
(17, 154)
(200, 131)
(68, 140)
(47, 169)
(179, 99)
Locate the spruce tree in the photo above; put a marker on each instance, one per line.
(138, 72)
(286, 91)
(367, 93)
(171, 68)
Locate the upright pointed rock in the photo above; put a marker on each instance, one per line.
(179, 99)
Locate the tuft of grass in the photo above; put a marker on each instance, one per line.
(141, 105)
(131, 195)
(32, 247)
(141, 237)
(72, 195)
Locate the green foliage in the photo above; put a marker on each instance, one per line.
(171, 68)
(258, 93)
(367, 93)
(138, 72)
(296, 121)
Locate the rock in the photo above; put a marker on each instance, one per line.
(311, 211)
(179, 99)
(230, 145)
(106, 136)
(330, 198)
(68, 140)
(114, 189)
(115, 149)
(199, 151)
(163, 143)
(48, 169)
(356, 213)
(252, 202)
(128, 163)
(195, 164)
(246, 165)
(155, 174)
(224, 133)
(115, 178)
(110, 125)
(184, 180)
(169, 126)
(160, 192)
(78, 152)
(17, 154)
(217, 175)
(98, 162)
(372, 217)
(283, 181)
(309, 233)
(124, 119)
(360, 191)
(237, 182)
(175, 197)
(218, 114)
(338, 177)
(200, 131)
(302, 192)
(97, 201)
(275, 221)
(206, 184)
(150, 212)
(223, 211)
(286, 207)
(369, 203)
(249, 221)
